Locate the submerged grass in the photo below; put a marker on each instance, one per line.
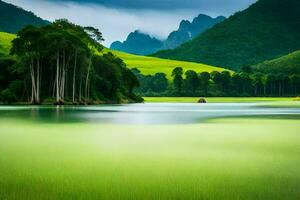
(224, 159)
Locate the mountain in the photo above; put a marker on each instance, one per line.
(138, 43)
(288, 64)
(13, 18)
(266, 30)
(143, 44)
(189, 30)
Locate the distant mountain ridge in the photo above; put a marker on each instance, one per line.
(266, 30)
(13, 18)
(138, 43)
(143, 44)
(189, 30)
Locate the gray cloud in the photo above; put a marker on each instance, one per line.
(217, 5)
(116, 18)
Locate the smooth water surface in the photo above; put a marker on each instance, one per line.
(150, 113)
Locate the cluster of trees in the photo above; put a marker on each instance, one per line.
(62, 63)
(244, 83)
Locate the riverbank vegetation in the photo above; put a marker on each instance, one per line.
(60, 63)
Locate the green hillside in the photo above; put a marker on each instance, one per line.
(5, 42)
(14, 18)
(151, 65)
(289, 64)
(147, 65)
(266, 30)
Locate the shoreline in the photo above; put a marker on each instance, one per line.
(171, 100)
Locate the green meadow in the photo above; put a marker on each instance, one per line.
(226, 159)
(151, 65)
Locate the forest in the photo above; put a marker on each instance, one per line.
(62, 63)
(248, 82)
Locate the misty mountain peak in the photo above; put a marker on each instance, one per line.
(143, 44)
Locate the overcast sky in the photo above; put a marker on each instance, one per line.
(116, 18)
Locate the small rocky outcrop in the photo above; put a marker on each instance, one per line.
(202, 100)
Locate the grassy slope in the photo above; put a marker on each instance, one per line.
(226, 159)
(5, 42)
(267, 30)
(147, 65)
(150, 65)
(288, 64)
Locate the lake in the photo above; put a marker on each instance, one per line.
(150, 151)
(150, 113)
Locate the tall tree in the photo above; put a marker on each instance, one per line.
(28, 47)
(192, 81)
(204, 78)
(177, 78)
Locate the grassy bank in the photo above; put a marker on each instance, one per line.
(226, 159)
(215, 99)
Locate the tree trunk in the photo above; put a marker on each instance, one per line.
(74, 76)
(87, 79)
(33, 83)
(38, 82)
(80, 91)
(279, 89)
(57, 78)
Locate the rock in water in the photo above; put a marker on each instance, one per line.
(202, 100)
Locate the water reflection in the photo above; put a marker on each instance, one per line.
(164, 113)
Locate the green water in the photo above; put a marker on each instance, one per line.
(150, 151)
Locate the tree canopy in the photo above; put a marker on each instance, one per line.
(62, 62)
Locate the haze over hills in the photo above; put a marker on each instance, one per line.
(13, 18)
(143, 44)
(266, 30)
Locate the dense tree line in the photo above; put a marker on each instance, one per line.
(62, 63)
(243, 83)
